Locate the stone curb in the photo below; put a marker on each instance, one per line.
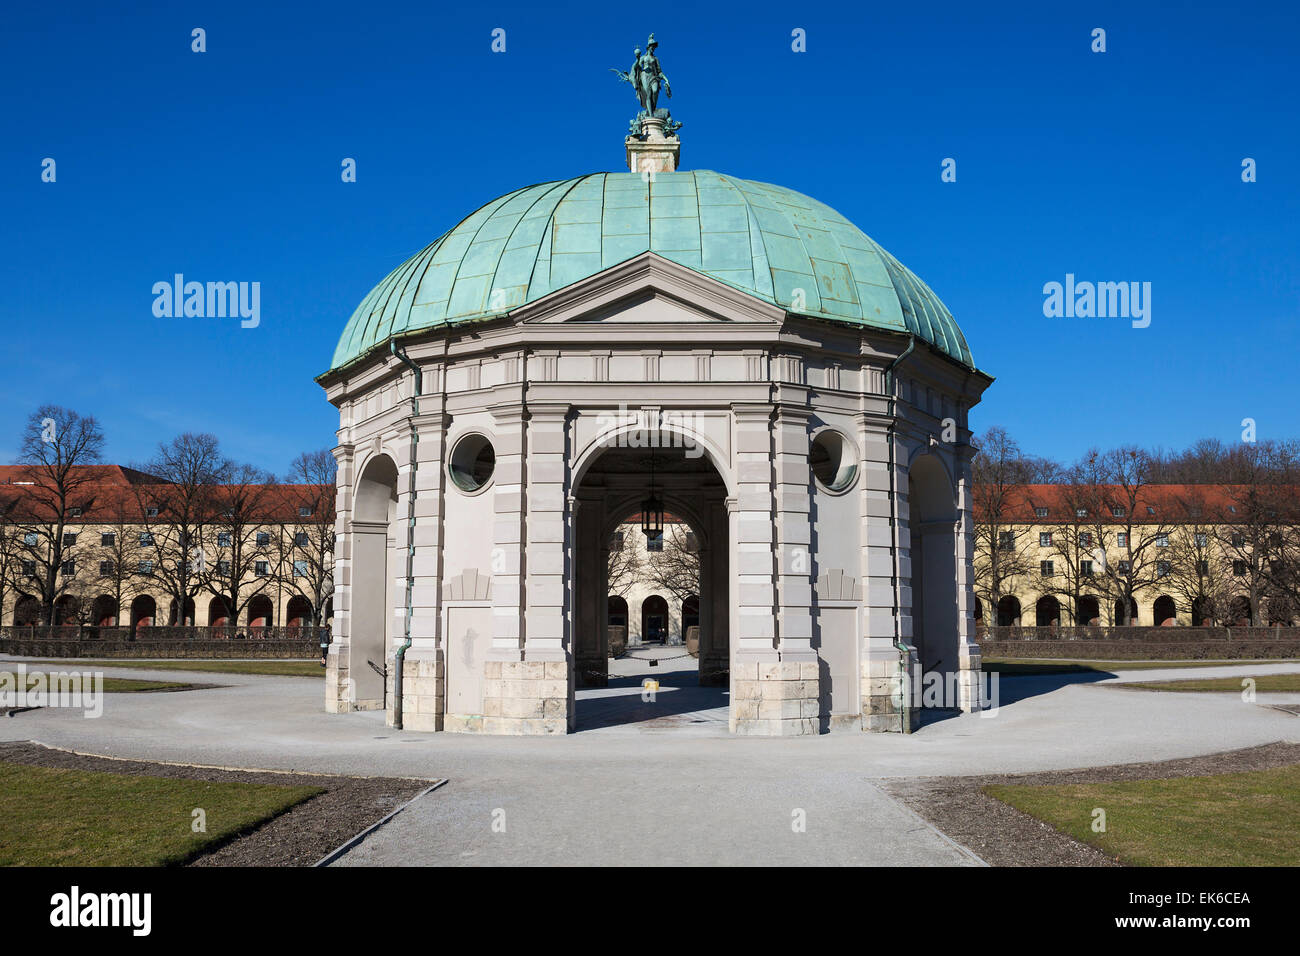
(334, 854)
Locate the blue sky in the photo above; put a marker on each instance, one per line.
(1122, 166)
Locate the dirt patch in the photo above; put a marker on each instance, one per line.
(299, 837)
(1003, 836)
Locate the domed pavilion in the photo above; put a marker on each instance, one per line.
(734, 353)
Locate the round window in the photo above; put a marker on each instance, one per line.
(472, 462)
(831, 460)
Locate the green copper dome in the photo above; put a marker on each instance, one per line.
(762, 239)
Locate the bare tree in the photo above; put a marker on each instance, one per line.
(1252, 525)
(1130, 527)
(175, 512)
(119, 531)
(57, 446)
(676, 569)
(1070, 542)
(1198, 572)
(308, 567)
(238, 537)
(1003, 552)
(624, 566)
(10, 541)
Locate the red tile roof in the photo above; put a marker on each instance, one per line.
(114, 494)
(1155, 503)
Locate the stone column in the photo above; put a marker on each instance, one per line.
(792, 695)
(768, 692)
(969, 658)
(424, 666)
(590, 598)
(715, 602)
(338, 659)
(528, 689)
(887, 672)
(399, 536)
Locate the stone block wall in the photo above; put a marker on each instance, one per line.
(526, 697)
(337, 698)
(776, 698)
(884, 690)
(422, 690)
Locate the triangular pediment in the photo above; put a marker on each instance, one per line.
(649, 289)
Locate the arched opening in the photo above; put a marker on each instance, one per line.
(690, 613)
(1047, 612)
(371, 589)
(617, 611)
(172, 618)
(616, 629)
(1129, 619)
(218, 612)
(261, 612)
(298, 613)
(67, 610)
(1281, 613)
(1239, 612)
(654, 620)
(1202, 612)
(650, 586)
(103, 613)
(27, 612)
(1008, 612)
(932, 521)
(979, 611)
(143, 611)
(1164, 612)
(1089, 612)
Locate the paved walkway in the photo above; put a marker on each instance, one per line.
(637, 793)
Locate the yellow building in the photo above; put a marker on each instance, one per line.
(1066, 555)
(124, 551)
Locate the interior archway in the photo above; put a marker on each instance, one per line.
(103, 612)
(218, 612)
(1009, 611)
(27, 611)
(1047, 612)
(1089, 611)
(373, 515)
(932, 519)
(143, 611)
(261, 612)
(690, 573)
(1163, 611)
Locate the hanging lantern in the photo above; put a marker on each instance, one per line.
(652, 508)
(652, 516)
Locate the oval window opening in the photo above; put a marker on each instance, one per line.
(472, 462)
(831, 460)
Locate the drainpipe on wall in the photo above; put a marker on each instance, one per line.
(895, 574)
(400, 657)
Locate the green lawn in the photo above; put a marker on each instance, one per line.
(56, 817)
(1263, 683)
(1017, 667)
(112, 685)
(273, 668)
(1236, 819)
